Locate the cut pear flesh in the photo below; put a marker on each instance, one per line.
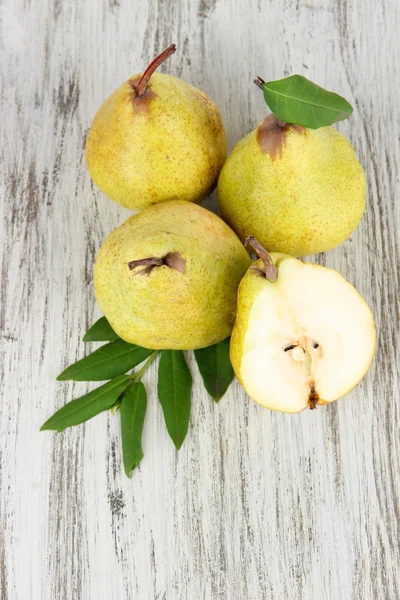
(310, 338)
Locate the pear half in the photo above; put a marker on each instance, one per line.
(305, 339)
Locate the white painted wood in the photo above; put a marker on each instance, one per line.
(257, 505)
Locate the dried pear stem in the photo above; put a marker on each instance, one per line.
(146, 262)
(173, 260)
(141, 87)
(271, 270)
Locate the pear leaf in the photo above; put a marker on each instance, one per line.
(215, 368)
(101, 331)
(107, 362)
(132, 412)
(84, 408)
(297, 100)
(174, 394)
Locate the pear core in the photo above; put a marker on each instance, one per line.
(168, 277)
(306, 339)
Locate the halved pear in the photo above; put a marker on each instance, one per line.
(306, 338)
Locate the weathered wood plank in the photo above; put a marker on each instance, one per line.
(257, 504)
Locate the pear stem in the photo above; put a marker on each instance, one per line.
(141, 87)
(173, 260)
(146, 262)
(271, 270)
(259, 82)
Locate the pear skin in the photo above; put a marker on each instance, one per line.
(168, 277)
(297, 190)
(167, 144)
(304, 339)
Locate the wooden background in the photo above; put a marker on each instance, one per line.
(256, 505)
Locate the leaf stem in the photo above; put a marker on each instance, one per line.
(136, 377)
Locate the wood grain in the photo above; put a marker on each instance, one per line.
(256, 505)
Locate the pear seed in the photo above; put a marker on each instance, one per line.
(289, 347)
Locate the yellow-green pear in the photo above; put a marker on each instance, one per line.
(297, 190)
(168, 277)
(303, 335)
(156, 138)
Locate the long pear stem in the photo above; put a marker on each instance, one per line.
(144, 80)
(271, 270)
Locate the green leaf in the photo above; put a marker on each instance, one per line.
(132, 411)
(174, 391)
(88, 406)
(107, 362)
(101, 331)
(215, 368)
(297, 100)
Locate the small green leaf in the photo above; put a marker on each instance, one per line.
(101, 331)
(215, 368)
(297, 100)
(174, 391)
(107, 362)
(132, 411)
(88, 406)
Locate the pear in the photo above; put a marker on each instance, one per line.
(168, 277)
(303, 335)
(156, 138)
(298, 191)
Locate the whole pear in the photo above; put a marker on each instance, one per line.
(297, 190)
(303, 335)
(156, 138)
(168, 277)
